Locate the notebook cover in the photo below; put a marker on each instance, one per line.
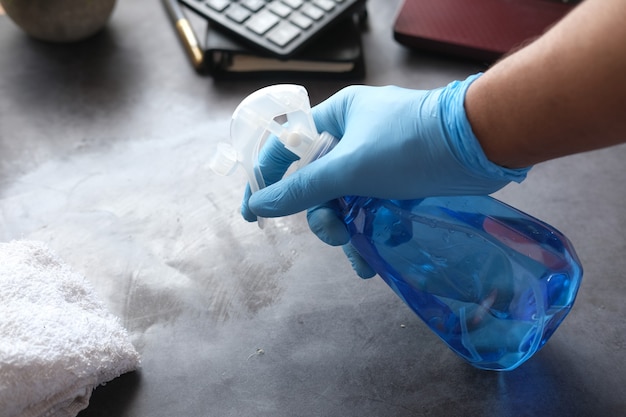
(478, 29)
(338, 53)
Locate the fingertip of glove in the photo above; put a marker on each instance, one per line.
(364, 273)
(359, 265)
(260, 204)
(247, 214)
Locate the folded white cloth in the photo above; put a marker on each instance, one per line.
(57, 340)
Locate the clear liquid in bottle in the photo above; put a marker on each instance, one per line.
(492, 282)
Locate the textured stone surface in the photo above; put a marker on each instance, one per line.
(104, 147)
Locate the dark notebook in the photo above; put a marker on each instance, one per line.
(482, 30)
(338, 53)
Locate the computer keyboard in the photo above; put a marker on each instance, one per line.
(278, 27)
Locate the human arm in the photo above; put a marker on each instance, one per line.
(565, 93)
(562, 94)
(395, 143)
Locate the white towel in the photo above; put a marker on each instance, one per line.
(57, 340)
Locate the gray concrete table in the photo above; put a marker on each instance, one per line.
(104, 147)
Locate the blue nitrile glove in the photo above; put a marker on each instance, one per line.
(395, 143)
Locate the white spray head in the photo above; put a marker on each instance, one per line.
(282, 110)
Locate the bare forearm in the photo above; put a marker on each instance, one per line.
(565, 93)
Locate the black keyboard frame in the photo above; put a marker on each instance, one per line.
(218, 20)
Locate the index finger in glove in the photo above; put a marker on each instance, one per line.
(273, 161)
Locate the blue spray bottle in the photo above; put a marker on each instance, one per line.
(492, 282)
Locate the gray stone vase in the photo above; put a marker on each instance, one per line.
(59, 20)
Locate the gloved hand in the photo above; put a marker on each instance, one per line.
(395, 143)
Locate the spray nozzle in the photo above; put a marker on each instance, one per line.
(282, 110)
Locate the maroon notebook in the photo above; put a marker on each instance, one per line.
(478, 29)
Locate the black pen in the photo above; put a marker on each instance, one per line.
(186, 33)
